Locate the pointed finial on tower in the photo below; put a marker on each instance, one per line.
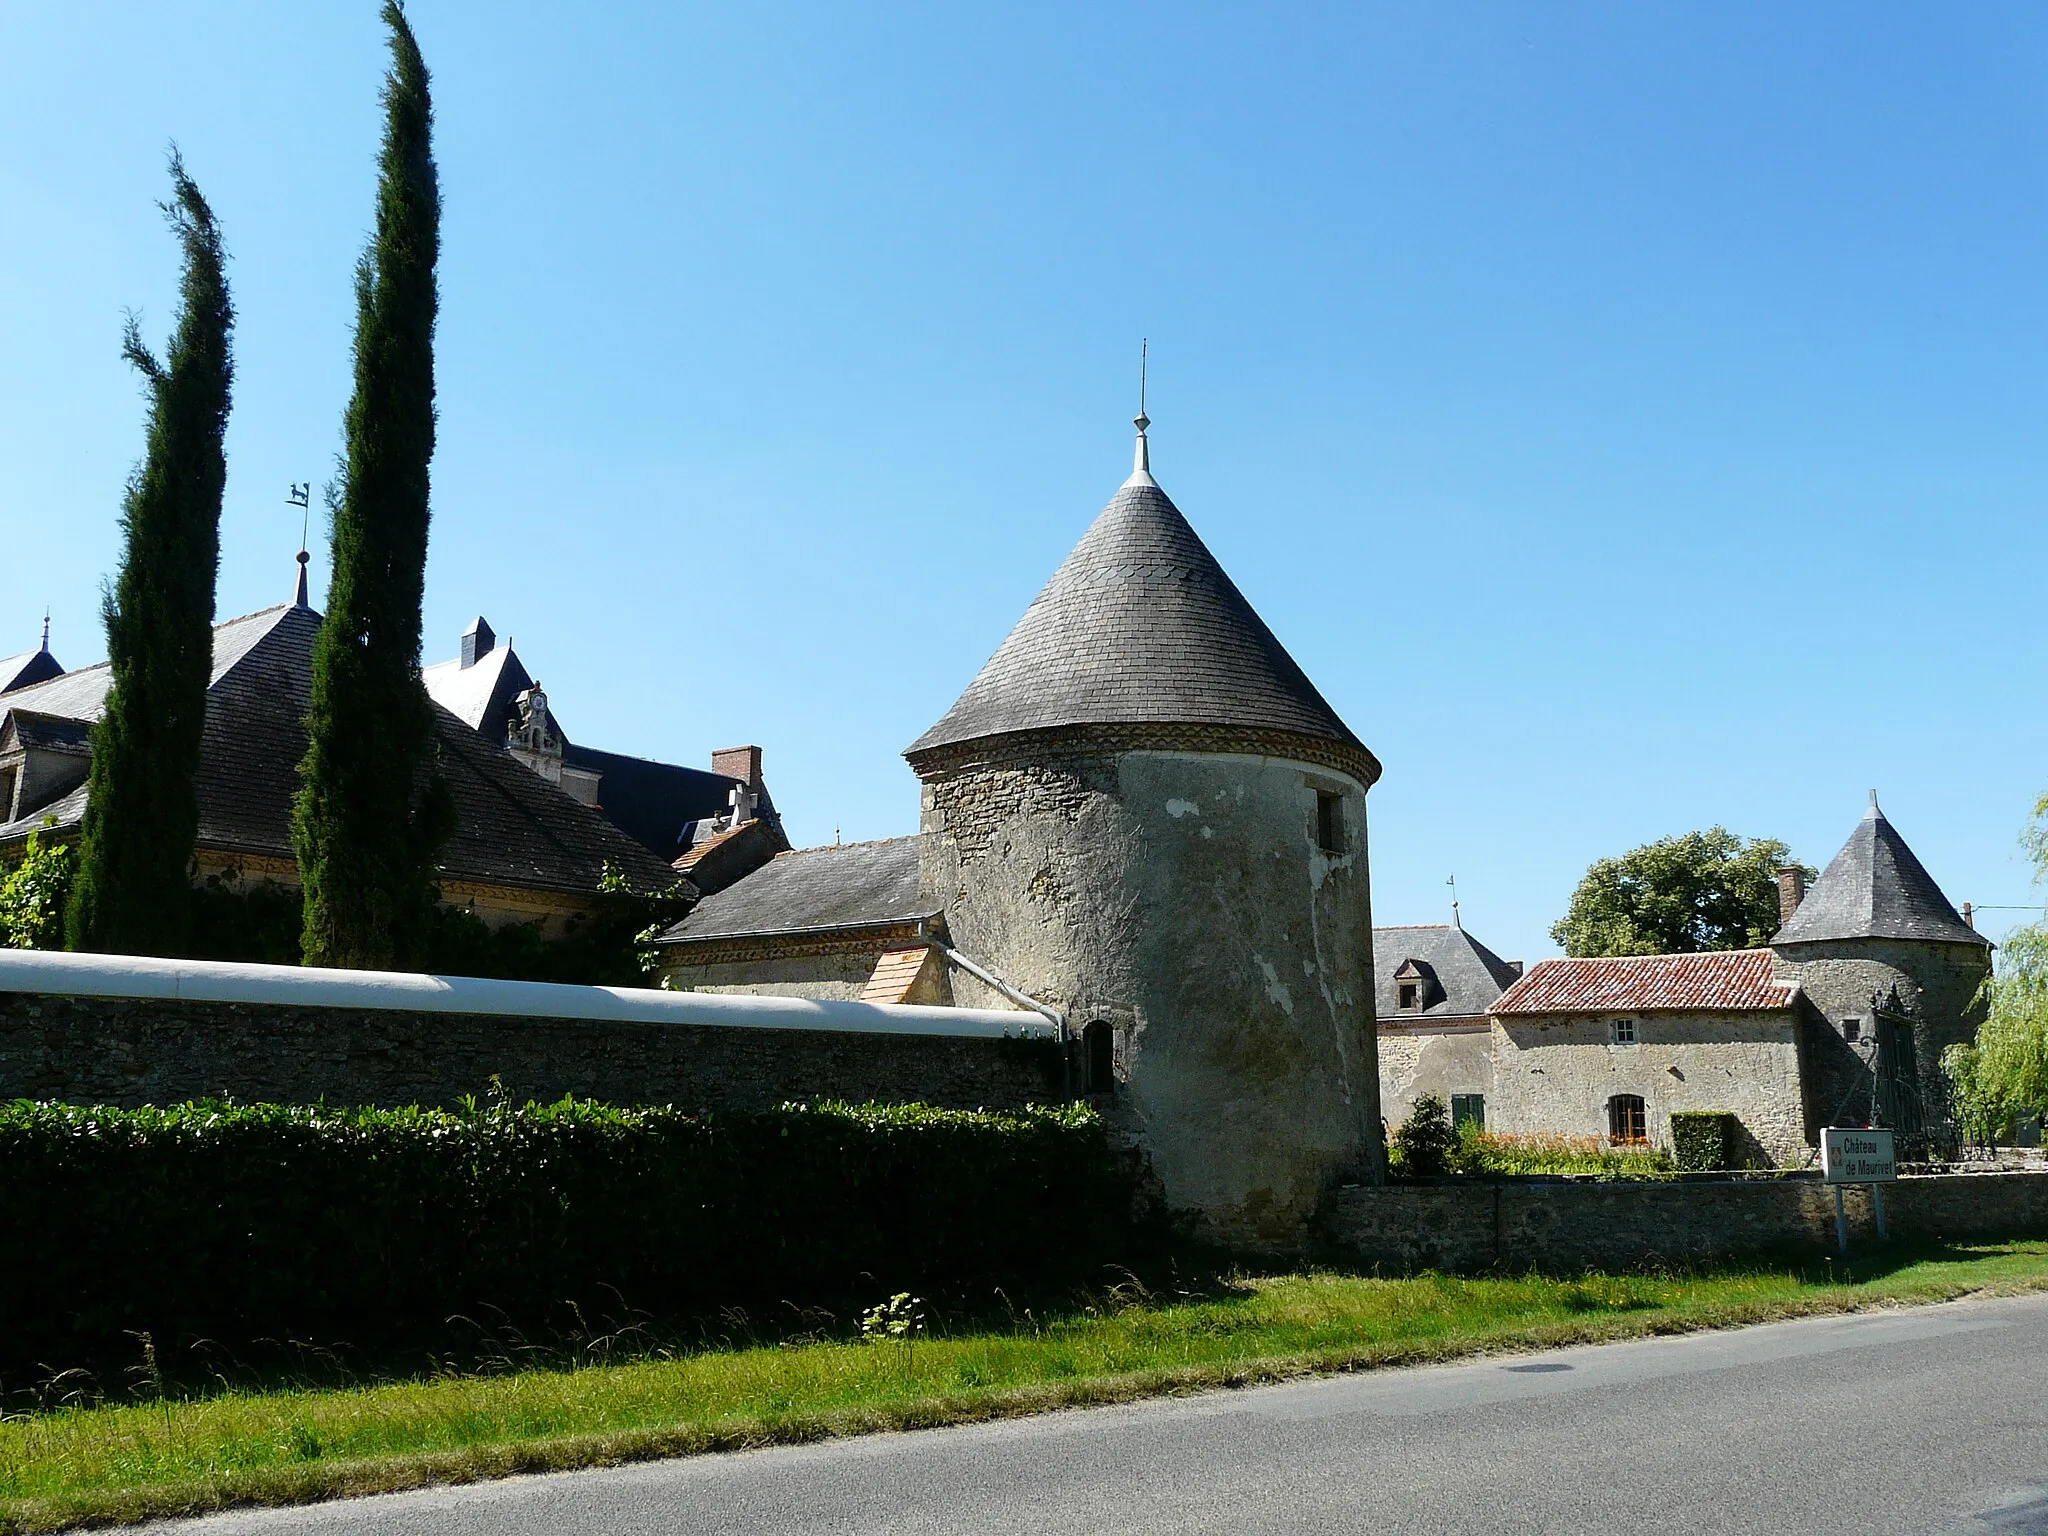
(301, 496)
(1873, 813)
(1141, 458)
(46, 631)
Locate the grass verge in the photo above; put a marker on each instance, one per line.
(117, 1462)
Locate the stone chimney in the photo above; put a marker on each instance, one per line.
(742, 763)
(477, 641)
(1791, 892)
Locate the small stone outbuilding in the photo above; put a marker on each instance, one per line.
(1842, 1021)
(1608, 1048)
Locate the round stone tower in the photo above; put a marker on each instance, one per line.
(1893, 973)
(1142, 812)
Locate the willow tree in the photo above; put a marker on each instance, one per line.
(371, 809)
(132, 891)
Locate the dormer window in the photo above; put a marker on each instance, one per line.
(1416, 989)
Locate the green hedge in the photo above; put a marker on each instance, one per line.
(243, 1223)
(1703, 1140)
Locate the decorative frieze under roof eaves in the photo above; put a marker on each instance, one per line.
(793, 944)
(1355, 762)
(1794, 1000)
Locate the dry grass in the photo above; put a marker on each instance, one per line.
(108, 1463)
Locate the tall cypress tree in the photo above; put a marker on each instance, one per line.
(133, 889)
(372, 810)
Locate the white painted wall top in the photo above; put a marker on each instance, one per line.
(221, 981)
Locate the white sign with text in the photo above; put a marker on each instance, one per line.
(1858, 1157)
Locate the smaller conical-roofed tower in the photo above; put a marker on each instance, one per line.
(1892, 970)
(1143, 812)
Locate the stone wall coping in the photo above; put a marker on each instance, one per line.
(1810, 1175)
(221, 981)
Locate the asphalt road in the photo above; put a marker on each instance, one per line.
(1929, 1420)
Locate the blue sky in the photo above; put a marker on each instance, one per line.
(1630, 416)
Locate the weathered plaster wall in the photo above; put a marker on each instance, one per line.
(102, 1051)
(831, 976)
(1841, 976)
(1558, 1074)
(1446, 1060)
(1180, 896)
(1564, 1226)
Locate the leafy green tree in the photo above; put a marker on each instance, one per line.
(372, 809)
(132, 892)
(2003, 1077)
(1678, 895)
(33, 896)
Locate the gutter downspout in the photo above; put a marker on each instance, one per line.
(1022, 1000)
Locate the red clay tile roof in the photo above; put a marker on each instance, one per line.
(896, 972)
(690, 860)
(1725, 981)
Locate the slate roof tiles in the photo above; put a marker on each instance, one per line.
(1469, 974)
(1876, 888)
(513, 828)
(854, 885)
(1140, 625)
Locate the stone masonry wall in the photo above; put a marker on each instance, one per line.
(832, 977)
(1180, 897)
(105, 1051)
(1558, 1074)
(1444, 1061)
(1563, 1226)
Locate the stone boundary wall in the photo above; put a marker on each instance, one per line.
(1563, 1225)
(126, 1031)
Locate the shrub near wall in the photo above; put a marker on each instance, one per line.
(241, 1223)
(1702, 1140)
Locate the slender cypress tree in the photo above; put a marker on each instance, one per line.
(372, 810)
(133, 890)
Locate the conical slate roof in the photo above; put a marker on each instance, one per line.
(1141, 627)
(1876, 888)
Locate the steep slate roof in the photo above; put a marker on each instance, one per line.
(656, 804)
(1723, 981)
(513, 828)
(1470, 974)
(1140, 625)
(483, 696)
(858, 885)
(28, 729)
(27, 668)
(1876, 888)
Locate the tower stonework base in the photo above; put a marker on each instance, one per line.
(1180, 898)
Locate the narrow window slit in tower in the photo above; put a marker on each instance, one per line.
(1329, 821)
